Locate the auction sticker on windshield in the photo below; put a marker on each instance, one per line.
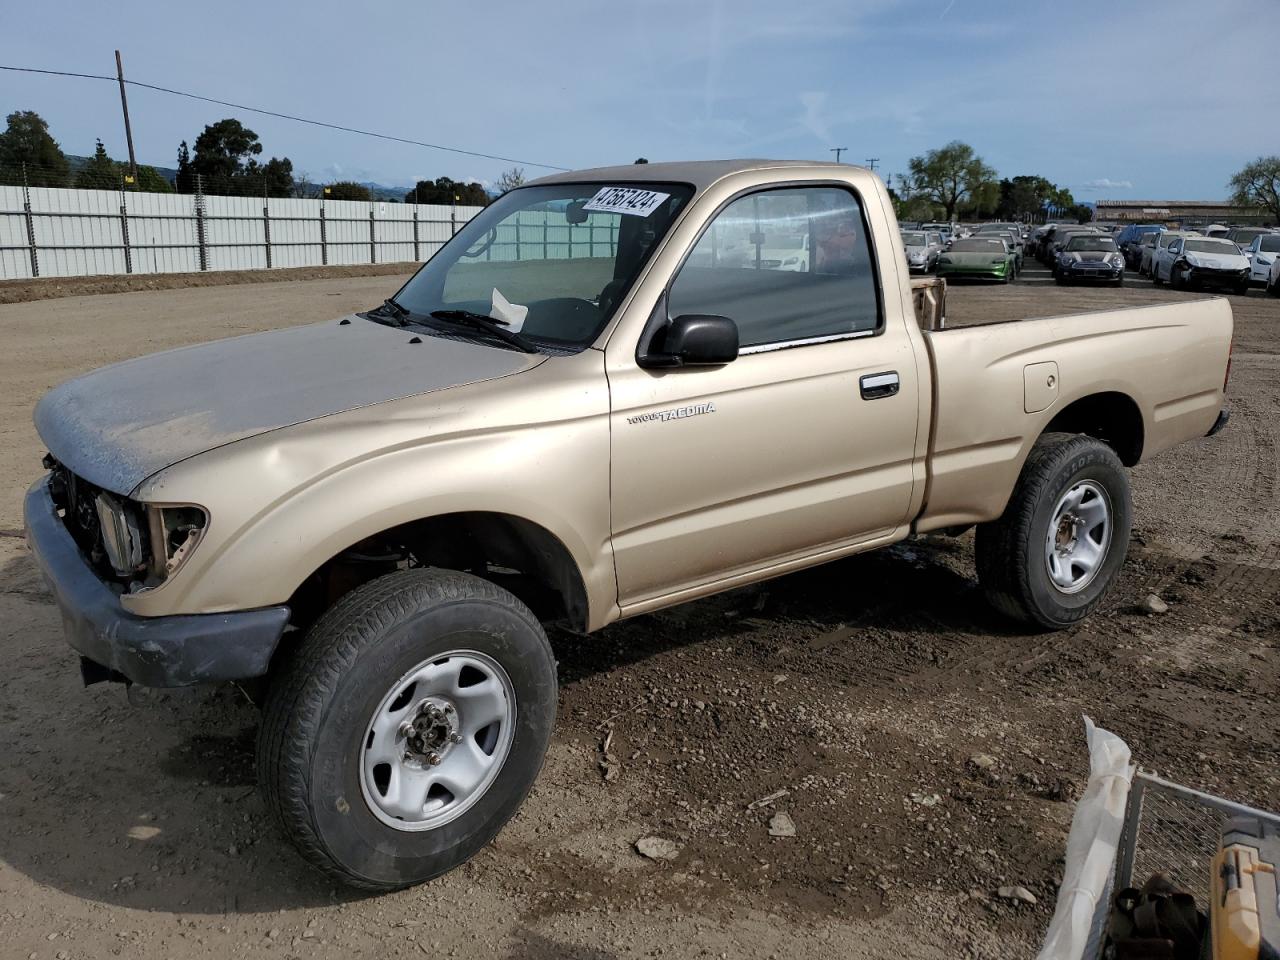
(632, 200)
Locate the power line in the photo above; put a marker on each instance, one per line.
(287, 116)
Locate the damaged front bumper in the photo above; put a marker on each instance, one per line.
(170, 651)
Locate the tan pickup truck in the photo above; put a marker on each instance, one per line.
(613, 391)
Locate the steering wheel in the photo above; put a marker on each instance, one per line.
(479, 248)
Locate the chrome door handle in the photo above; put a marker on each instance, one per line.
(875, 386)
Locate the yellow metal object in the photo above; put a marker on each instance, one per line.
(1244, 915)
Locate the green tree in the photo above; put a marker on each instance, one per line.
(444, 190)
(347, 190)
(185, 181)
(1258, 185)
(510, 179)
(642, 160)
(225, 158)
(950, 176)
(100, 173)
(26, 142)
(150, 180)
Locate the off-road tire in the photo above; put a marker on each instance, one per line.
(321, 700)
(1010, 553)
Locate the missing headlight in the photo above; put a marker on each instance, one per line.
(175, 531)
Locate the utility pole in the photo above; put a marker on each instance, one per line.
(871, 162)
(837, 151)
(128, 131)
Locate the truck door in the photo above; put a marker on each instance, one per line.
(801, 446)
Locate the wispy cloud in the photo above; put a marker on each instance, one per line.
(1106, 183)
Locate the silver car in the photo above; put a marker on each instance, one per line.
(923, 249)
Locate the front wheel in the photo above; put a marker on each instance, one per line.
(1052, 556)
(407, 727)
(1155, 277)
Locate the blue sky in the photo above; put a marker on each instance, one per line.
(1111, 99)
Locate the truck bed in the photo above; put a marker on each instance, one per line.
(997, 386)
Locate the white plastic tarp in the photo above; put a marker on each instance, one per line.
(1074, 932)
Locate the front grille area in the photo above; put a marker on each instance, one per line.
(76, 499)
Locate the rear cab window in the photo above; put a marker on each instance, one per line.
(790, 266)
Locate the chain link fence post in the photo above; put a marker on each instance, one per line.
(31, 224)
(373, 236)
(201, 239)
(416, 255)
(266, 222)
(124, 227)
(324, 241)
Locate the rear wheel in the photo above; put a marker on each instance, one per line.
(1052, 556)
(407, 727)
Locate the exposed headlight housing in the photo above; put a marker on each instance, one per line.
(122, 536)
(1116, 260)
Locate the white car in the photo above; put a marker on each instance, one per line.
(1153, 244)
(1273, 278)
(791, 254)
(1263, 254)
(923, 249)
(1192, 262)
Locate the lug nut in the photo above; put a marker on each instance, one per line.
(406, 729)
(455, 738)
(448, 708)
(433, 759)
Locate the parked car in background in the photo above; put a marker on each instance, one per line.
(1214, 230)
(1090, 256)
(1195, 262)
(923, 248)
(946, 230)
(786, 253)
(986, 258)
(1263, 254)
(1151, 245)
(1060, 240)
(1243, 237)
(1273, 278)
(1130, 241)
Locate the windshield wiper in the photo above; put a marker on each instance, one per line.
(392, 309)
(492, 325)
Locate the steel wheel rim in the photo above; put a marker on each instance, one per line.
(437, 740)
(1079, 536)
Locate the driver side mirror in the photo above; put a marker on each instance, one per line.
(695, 340)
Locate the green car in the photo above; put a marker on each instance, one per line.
(979, 257)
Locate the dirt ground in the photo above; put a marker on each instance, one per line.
(864, 689)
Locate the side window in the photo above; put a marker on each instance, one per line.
(784, 265)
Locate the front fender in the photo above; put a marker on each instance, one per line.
(282, 504)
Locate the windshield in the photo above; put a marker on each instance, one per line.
(1212, 246)
(1270, 243)
(551, 263)
(913, 239)
(1091, 243)
(1244, 237)
(978, 246)
(1168, 238)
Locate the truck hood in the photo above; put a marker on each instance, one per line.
(119, 425)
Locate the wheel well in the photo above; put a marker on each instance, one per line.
(1113, 418)
(518, 555)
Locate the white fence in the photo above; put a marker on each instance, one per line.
(57, 232)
